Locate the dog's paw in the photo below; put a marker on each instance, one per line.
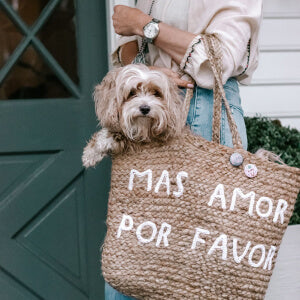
(90, 157)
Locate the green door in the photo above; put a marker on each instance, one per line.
(52, 211)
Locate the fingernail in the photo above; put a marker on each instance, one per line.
(190, 85)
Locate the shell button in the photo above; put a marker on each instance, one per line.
(250, 170)
(236, 159)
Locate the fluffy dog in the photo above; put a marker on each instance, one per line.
(134, 105)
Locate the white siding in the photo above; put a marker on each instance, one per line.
(275, 89)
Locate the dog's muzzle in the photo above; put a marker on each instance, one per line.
(144, 109)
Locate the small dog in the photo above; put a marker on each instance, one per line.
(134, 105)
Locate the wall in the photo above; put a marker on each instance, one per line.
(275, 89)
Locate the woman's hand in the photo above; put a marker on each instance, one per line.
(174, 76)
(129, 21)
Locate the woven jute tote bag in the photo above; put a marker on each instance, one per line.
(184, 223)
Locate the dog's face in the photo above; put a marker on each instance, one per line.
(142, 103)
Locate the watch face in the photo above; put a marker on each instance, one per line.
(151, 30)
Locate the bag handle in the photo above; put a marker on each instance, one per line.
(214, 54)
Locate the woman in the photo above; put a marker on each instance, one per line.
(174, 46)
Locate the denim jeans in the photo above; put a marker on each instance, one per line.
(200, 121)
(201, 110)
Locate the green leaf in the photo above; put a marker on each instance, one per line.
(284, 141)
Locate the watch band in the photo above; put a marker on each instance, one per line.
(155, 20)
(150, 40)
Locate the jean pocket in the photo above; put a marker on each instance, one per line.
(237, 108)
(232, 85)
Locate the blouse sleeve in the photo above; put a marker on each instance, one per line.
(233, 21)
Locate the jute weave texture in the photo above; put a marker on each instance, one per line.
(145, 270)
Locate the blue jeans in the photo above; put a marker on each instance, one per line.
(201, 110)
(200, 121)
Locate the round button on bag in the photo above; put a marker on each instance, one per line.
(236, 159)
(250, 170)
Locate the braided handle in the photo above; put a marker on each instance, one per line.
(186, 107)
(214, 54)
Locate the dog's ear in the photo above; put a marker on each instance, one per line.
(106, 105)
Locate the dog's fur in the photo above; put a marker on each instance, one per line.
(135, 105)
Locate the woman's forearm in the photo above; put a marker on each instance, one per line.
(172, 40)
(129, 21)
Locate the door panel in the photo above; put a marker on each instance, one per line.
(52, 211)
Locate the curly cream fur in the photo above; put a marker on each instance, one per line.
(268, 155)
(118, 101)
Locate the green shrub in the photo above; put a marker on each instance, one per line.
(270, 135)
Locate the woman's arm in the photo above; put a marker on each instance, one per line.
(170, 39)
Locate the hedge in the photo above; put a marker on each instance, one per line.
(270, 135)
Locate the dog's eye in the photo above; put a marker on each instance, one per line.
(132, 93)
(157, 93)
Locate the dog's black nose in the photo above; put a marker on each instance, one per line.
(144, 109)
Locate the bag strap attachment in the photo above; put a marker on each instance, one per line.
(214, 53)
